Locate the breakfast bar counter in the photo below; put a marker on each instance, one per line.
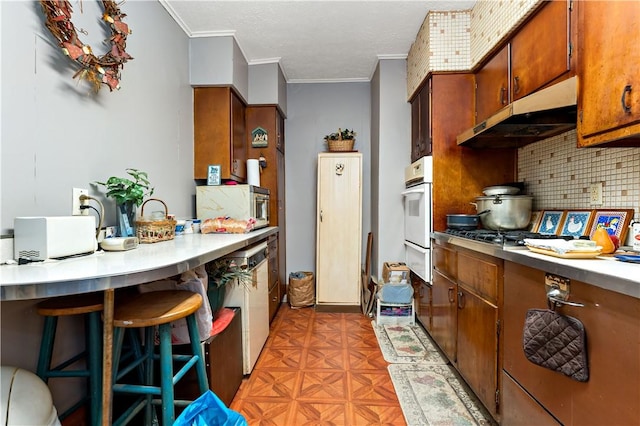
(107, 271)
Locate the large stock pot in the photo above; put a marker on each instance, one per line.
(504, 212)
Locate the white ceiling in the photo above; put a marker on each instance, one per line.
(330, 40)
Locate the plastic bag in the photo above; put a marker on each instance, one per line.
(194, 280)
(209, 410)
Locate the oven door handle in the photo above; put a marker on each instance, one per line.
(417, 190)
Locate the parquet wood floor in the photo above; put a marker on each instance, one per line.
(319, 368)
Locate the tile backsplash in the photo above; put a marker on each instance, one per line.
(558, 174)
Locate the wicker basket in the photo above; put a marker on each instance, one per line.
(341, 145)
(153, 231)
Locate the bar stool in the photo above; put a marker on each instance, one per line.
(148, 310)
(91, 306)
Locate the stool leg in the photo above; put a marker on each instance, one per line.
(166, 374)
(94, 349)
(149, 347)
(196, 349)
(46, 347)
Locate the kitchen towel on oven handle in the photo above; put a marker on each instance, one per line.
(557, 342)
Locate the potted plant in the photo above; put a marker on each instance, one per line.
(223, 272)
(342, 140)
(129, 193)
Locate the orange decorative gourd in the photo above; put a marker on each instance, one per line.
(601, 237)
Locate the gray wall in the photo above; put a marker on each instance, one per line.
(315, 110)
(390, 153)
(57, 134)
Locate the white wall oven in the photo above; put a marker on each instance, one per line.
(417, 216)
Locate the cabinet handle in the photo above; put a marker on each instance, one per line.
(450, 294)
(516, 85)
(625, 106)
(460, 300)
(555, 297)
(503, 95)
(320, 215)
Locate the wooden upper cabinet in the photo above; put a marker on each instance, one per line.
(538, 54)
(421, 123)
(609, 73)
(219, 133)
(492, 85)
(540, 51)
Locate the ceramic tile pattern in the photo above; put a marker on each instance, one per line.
(319, 368)
(459, 40)
(558, 174)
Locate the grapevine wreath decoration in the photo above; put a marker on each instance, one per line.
(97, 70)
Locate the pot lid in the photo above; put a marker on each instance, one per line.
(504, 197)
(500, 190)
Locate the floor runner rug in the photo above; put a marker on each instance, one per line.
(404, 344)
(433, 395)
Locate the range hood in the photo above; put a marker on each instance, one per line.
(540, 115)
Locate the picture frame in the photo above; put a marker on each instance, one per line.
(616, 222)
(534, 223)
(213, 175)
(551, 222)
(576, 223)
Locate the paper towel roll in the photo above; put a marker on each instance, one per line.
(253, 172)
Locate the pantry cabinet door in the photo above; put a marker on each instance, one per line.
(339, 229)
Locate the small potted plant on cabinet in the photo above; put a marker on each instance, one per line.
(342, 140)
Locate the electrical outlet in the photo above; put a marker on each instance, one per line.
(595, 194)
(76, 203)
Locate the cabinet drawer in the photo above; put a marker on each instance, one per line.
(445, 260)
(520, 409)
(479, 274)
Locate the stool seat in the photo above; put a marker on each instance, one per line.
(71, 305)
(155, 308)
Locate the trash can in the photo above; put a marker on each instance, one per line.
(301, 291)
(26, 399)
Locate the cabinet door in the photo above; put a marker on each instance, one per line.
(219, 133)
(339, 223)
(274, 283)
(609, 72)
(540, 50)
(492, 85)
(422, 295)
(443, 314)
(282, 224)
(238, 139)
(612, 326)
(477, 346)
(421, 123)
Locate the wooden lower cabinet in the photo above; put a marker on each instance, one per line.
(477, 344)
(520, 409)
(443, 311)
(422, 296)
(611, 321)
(466, 296)
(274, 279)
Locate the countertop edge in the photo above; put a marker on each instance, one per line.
(88, 284)
(568, 268)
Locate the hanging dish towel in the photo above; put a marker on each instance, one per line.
(557, 342)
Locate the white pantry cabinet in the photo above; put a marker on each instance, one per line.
(339, 229)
